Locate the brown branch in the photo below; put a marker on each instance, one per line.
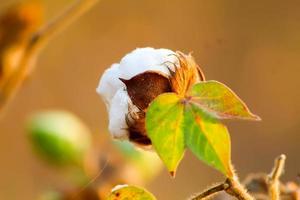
(211, 191)
(237, 190)
(231, 186)
(273, 178)
(37, 42)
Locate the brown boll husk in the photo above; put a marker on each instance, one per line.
(145, 87)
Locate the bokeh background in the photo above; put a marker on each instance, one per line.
(252, 46)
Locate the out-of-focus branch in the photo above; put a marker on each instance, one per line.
(273, 178)
(37, 42)
(59, 23)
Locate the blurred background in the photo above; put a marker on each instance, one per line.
(252, 46)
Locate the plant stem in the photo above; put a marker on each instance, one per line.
(273, 178)
(237, 190)
(231, 186)
(37, 42)
(211, 191)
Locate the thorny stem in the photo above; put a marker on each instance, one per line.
(211, 191)
(231, 186)
(273, 178)
(237, 190)
(37, 42)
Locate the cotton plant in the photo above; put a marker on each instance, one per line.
(159, 99)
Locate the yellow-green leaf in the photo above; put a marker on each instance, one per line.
(220, 101)
(208, 139)
(164, 123)
(130, 193)
(174, 123)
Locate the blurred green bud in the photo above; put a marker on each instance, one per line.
(59, 136)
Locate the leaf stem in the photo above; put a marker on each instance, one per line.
(37, 42)
(273, 178)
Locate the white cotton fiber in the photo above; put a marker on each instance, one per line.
(117, 113)
(109, 84)
(145, 59)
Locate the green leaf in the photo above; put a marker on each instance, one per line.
(164, 123)
(208, 139)
(220, 101)
(174, 123)
(130, 192)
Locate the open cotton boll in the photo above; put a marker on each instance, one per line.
(113, 91)
(109, 84)
(146, 59)
(117, 114)
(128, 88)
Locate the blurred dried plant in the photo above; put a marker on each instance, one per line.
(16, 28)
(22, 38)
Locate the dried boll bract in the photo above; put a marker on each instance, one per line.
(186, 74)
(129, 87)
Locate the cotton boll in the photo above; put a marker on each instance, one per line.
(117, 114)
(126, 121)
(146, 59)
(109, 84)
